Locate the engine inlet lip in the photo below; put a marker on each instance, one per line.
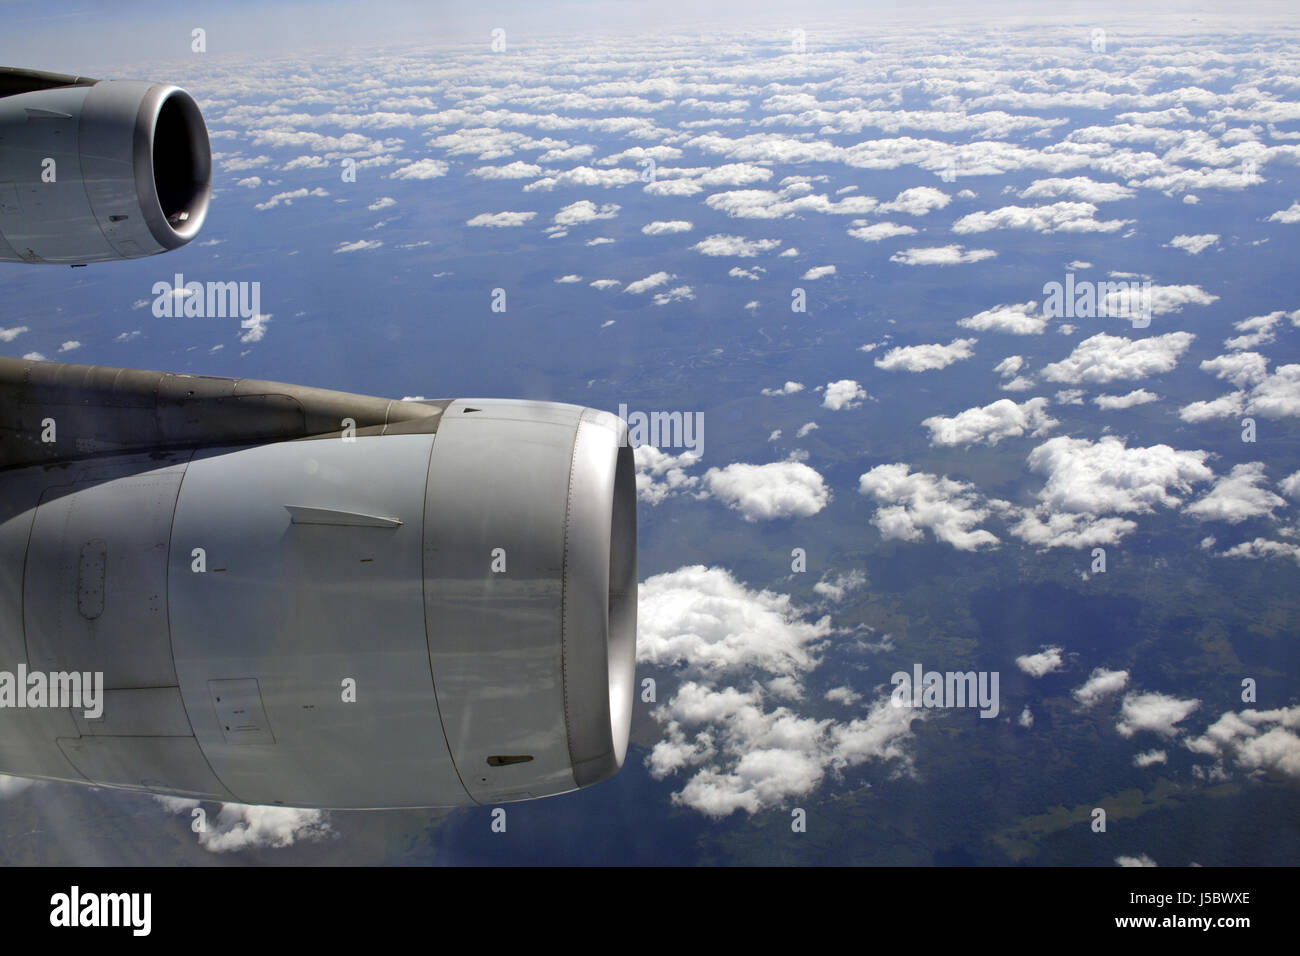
(174, 200)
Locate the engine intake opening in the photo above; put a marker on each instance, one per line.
(621, 640)
(182, 164)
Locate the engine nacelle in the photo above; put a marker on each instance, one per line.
(432, 606)
(96, 171)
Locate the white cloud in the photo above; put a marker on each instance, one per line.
(421, 169)
(1194, 245)
(843, 695)
(254, 328)
(1100, 683)
(515, 170)
(1134, 861)
(917, 201)
(877, 231)
(941, 256)
(359, 246)
(667, 228)
(806, 429)
(8, 335)
(383, 202)
(603, 284)
(1157, 713)
(724, 245)
(846, 393)
(782, 489)
(500, 220)
(1012, 319)
(990, 424)
(585, 211)
(70, 346)
(1254, 740)
(1042, 663)
(1259, 329)
(1138, 396)
(678, 294)
(912, 503)
(789, 388)
(1237, 496)
(1150, 758)
(238, 826)
(1105, 477)
(819, 272)
(652, 281)
(926, 358)
(288, 197)
(1056, 217)
(1289, 215)
(652, 464)
(735, 751)
(1107, 358)
(1079, 187)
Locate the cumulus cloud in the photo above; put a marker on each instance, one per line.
(789, 388)
(819, 272)
(653, 281)
(1194, 245)
(1254, 741)
(239, 826)
(926, 358)
(910, 503)
(585, 211)
(660, 475)
(1011, 319)
(782, 489)
(1237, 496)
(734, 747)
(875, 232)
(1101, 683)
(992, 423)
(1150, 758)
(1106, 477)
(1056, 217)
(1138, 396)
(1157, 713)
(289, 196)
(1107, 358)
(941, 256)
(1078, 187)
(1042, 663)
(360, 245)
(846, 393)
(1289, 215)
(421, 169)
(515, 170)
(669, 227)
(500, 220)
(738, 246)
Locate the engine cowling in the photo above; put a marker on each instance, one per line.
(93, 171)
(371, 604)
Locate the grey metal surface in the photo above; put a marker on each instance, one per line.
(315, 622)
(302, 608)
(100, 410)
(132, 171)
(128, 641)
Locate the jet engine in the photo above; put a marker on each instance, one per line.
(96, 170)
(311, 598)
